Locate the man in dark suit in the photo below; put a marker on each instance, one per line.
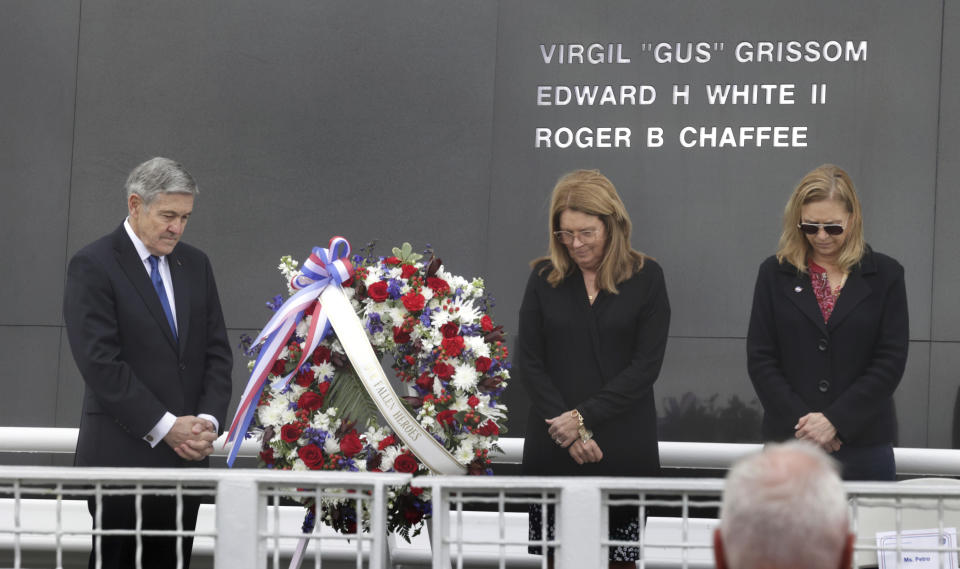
(146, 329)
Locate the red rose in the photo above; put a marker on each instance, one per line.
(425, 382)
(438, 285)
(266, 456)
(405, 463)
(378, 291)
(311, 455)
(413, 301)
(486, 323)
(473, 401)
(400, 336)
(392, 261)
(305, 377)
(350, 444)
(412, 515)
(407, 271)
(310, 401)
(483, 364)
(443, 371)
(446, 417)
(450, 329)
(453, 346)
(290, 433)
(416, 490)
(488, 429)
(323, 386)
(279, 368)
(321, 355)
(390, 440)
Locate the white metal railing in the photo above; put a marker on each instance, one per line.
(246, 530)
(478, 521)
(910, 461)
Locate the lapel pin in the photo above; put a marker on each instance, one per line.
(798, 289)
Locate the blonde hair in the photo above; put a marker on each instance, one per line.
(590, 192)
(827, 182)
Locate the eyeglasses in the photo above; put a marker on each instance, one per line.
(586, 236)
(814, 228)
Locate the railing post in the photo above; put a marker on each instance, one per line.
(241, 512)
(579, 517)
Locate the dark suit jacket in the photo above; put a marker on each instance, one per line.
(846, 369)
(133, 367)
(601, 359)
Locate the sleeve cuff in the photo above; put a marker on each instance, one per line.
(212, 419)
(160, 430)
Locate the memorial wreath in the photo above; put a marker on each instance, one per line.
(318, 398)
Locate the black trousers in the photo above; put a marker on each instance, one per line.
(158, 513)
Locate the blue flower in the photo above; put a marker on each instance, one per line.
(275, 303)
(374, 324)
(393, 288)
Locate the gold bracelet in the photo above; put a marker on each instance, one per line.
(585, 434)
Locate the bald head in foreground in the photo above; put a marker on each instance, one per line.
(784, 508)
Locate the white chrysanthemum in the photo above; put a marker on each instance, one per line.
(439, 318)
(464, 454)
(336, 346)
(288, 416)
(395, 272)
(322, 420)
(296, 391)
(389, 455)
(284, 354)
(355, 304)
(496, 412)
(477, 345)
(270, 414)
(427, 293)
(323, 371)
(465, 377)
(465, 311)
(299, 466)
(349, 292)
(378, 339)
(331, 445)
(460, 403)
(371, 278)
(303, 327)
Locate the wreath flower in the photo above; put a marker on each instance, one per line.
(434, 327)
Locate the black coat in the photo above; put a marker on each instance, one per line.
(846, 369)
(601, 359)
(133, 367)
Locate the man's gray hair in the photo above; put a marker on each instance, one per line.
(784, 507)
(159, 176)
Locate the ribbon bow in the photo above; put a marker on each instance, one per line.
(324, 267)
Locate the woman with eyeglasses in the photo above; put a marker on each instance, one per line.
(828, 335)
(593, 330)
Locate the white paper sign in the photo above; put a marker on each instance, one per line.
(918, 549)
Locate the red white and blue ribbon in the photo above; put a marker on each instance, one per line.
(324, 268)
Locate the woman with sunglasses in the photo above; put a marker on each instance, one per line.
(593, 330)
(828, 336)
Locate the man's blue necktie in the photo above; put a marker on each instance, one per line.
(162, 292)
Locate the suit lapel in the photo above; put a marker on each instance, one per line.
(797, 287)
(181, 293)
(132, 266)
(855, 291)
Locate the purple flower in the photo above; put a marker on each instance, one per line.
(374, 324)
(275, 303)
(393, 288)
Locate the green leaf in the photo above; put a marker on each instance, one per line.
(349, 396)
(406, 254)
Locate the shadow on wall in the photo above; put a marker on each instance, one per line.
(690, 419)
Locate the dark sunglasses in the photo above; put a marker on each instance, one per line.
(814, 228)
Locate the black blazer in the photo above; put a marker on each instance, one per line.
(133, 367)
(846, 369)
(601, 359)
